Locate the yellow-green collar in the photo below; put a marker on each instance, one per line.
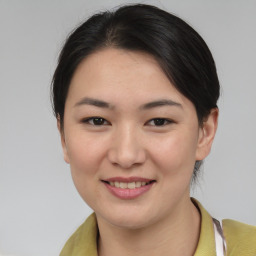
(84, 241)
(206, 244)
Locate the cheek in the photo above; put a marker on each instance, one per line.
(175, 154)
(86, 155)
(174, 158)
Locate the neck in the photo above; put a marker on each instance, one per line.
(177, 234)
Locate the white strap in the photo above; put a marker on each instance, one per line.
(220, 242)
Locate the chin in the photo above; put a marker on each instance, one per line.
(129, 219)
(129, 223)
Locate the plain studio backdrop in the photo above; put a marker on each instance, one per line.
(39, 205)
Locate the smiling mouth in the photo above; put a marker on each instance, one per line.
(129, 185)
(128, 188)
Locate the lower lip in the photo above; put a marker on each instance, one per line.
(126, 193)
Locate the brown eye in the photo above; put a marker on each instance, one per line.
(159, 122)
(97, 121)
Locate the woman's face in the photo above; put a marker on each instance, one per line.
(131, 138)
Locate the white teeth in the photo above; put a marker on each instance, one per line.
(138, 184)
(123, 185)
(129, 185)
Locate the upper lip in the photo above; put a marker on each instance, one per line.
(127, 179)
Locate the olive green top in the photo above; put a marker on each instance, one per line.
(240, 238)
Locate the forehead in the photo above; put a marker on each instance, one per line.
(118, 65)
(116, 75)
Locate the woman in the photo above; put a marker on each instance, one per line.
(135, 95)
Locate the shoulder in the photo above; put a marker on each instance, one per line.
(240, 238)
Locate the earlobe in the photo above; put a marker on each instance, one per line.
(63, 141)
(206, 134)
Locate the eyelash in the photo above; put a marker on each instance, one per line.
(163, 121)
(91, 121)
(101, 121)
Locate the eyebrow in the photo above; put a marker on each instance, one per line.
(93, 102)
(160, 103)
(149, 105)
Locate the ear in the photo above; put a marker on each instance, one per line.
(63, 141)
(207, 133)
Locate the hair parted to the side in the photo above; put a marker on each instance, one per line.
(179, 49)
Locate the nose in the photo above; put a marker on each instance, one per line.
(126, 149)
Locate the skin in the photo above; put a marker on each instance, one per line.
(129, 143)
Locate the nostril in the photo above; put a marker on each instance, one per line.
(126, 150)
(126, 159)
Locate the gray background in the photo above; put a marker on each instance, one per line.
(39, 206)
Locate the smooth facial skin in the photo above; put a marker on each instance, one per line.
(145, 129)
